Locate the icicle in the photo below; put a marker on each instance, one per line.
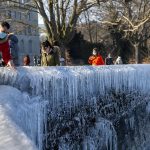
(55, 93)
(102, 136)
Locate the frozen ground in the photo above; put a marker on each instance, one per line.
(11, 136)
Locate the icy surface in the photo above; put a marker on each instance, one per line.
(60, 103)
(75, 81)
(102, 136)
(11, 136)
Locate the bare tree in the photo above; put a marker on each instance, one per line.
(60, 16)
(130, 17)
(88, 24)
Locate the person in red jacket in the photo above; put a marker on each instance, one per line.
(96, 59)
(4, 44)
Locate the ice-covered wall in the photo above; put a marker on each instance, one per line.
(70, 105)
(74, 82)
(11, 135)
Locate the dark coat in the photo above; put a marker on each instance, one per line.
(14, 48)
(109, 61)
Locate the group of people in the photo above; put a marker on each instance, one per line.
(96, 59)
(7, 44)
(50, 55)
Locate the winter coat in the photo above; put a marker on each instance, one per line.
(13, 41)
(109, 61)
(5, 50)
(118, 61)
(96, 60)
(50, 59)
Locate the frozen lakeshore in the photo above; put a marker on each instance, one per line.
(71, 108)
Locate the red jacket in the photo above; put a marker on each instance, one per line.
(96, 60)
(5, 49)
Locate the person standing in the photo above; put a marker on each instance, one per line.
(118, 61)
(38, 61)
(26, 60)
(59, 52)
(35, 60)
(109, 60)
(14, 49)
(49, 56)
(13, 43)
(4, 44)
(96, 59)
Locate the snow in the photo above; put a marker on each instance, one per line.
(46, 92)
(11, 135)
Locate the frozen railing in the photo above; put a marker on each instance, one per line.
(73, 82)
(55, 93)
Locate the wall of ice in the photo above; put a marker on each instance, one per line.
(11, 135)
(65, 107)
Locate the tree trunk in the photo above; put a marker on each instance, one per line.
(96, 33)
(90, 34)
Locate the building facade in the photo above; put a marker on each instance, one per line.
(24, 24)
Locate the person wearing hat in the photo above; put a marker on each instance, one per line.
(96, 59)
(49, 56)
